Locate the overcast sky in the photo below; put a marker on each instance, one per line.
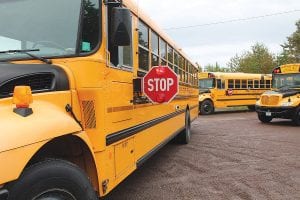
(218, 43)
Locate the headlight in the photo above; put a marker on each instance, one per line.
(257, 103)
(286, 104)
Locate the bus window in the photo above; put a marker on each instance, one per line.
(268, 83)
(180, 75)
(180, 65)
(143, 35)
(256, 83)
(91, 26)
(206, 83)
(154, 48)
(176, 62)
(220, 84)
(297, 80)
(250, 84)
(244, 84)
(230, 83)
(170, 55)
(143, 59)
(162, 51)
(237, 84)
(154, 61)
(143, 46)
(262, 84)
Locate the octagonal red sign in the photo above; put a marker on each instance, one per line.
(160, 84)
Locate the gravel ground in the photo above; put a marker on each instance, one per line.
(231, 156)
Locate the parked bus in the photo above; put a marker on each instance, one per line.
(74, 121)
(220, 90)
(284, 99)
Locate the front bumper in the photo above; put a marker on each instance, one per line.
(3, 194)
(277, 112)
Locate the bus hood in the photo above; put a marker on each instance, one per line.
(274, 98)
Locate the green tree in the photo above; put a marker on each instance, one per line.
(234, 63)
(284, 58)
(215, 68)
(257, 60)
(199, 67)
(291, 48)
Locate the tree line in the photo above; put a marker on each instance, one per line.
(260, 60)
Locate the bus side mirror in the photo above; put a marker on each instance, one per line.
(121, 28)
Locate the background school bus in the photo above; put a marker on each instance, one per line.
(220, 89)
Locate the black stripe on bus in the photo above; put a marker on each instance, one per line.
(246, 94)
(117, 136)
(120, 135)
(143, 159)
(236, 99)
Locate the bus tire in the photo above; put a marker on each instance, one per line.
(206, 107)
(52, 179)
(184, 136)
(263, 118)
(296, 118)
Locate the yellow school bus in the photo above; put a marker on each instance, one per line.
(74, 120)
(284, 99)
(221, 89)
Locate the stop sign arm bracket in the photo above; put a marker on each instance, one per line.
(138, 97)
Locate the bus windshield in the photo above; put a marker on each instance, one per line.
(206, 83)
(50, 27)
(286, 81)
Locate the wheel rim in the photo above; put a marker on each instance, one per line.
(207, 107)
(55, 194)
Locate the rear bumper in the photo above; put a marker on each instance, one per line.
(3, 194)
(277, 112)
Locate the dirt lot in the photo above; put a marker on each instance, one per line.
(231, 156)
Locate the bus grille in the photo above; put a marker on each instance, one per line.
(270, 100)
(40, 82)
(89, 114)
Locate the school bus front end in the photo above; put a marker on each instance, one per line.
(206, 86)
(284, 99)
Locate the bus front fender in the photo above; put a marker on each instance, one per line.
(21, 136)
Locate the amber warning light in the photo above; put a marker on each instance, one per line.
(22, 97)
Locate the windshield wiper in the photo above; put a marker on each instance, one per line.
(26, 51)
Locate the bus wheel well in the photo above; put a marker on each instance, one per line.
(208, 100)
(72, 149)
